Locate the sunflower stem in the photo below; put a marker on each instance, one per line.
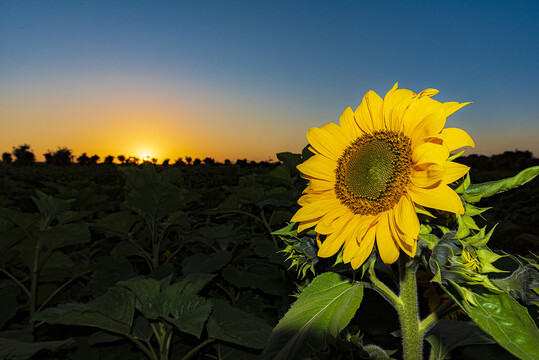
(412, 336)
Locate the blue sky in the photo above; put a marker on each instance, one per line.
(248, 78)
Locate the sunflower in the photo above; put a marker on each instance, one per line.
(369, 174)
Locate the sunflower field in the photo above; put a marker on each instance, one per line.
(235, 262)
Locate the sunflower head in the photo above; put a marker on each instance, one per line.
(370, 172)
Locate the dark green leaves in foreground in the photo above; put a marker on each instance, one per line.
(503, 318)
(112, 311)
(236, 326)
(322, 310)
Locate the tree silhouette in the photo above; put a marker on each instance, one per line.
(228, 162)
(6, 157)
(188, 159)
(165, 162)
(197, 161)
(121, 159)
(179, 162)
(109, 160)
(23, 155)
(62, 156)
(132, 160)
(94, 159)
(208, 161)
(241, 162)
(83, 159)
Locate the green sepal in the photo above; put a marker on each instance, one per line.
(430, 239)
(465, 224)
(472, 210)
(464, 185)
(480, 239)
(487, 257)
(288, 230)
(421, 210)
(456, 155)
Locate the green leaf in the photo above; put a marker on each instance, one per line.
(24, 220)
(503, 318)
(225, 352)
(322, 310)
(494, 187)
(191, 284)
(449, 334)
(116, 224)
(147, 292)
(112, 311)
(65, 235)
(155, 200)
(190, 314)
(257, 274)
(289, 159)
(236, 326)
(14, 349)
(51, 206)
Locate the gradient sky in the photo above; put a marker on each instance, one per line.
(247, 79)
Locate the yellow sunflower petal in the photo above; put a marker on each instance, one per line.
(405, 241)
(430, 126)
(441, 197)
(368, 114)
(307, 224)
(419, 109)
(315, 210)
(353, 244)
(349, 126)
(452, 107)
(319, 167)
(316, 185)
(387, 246)
(406, 217)
(323, 228)
(396, 102)
(367, 244)
(313, 197)
(428, 92)
(325, 142)
(428, 176)
(341, 213)
(454, 171)
(334, 241)
(455, 138)
(430, 153)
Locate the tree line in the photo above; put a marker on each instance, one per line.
(23, 155)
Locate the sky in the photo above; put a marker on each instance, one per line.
(247, 79)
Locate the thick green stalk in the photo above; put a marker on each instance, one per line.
(412, 336)
(163, 333)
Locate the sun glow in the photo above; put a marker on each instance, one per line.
(146, 156)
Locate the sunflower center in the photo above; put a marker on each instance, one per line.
(373, 172)
(369, 169)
